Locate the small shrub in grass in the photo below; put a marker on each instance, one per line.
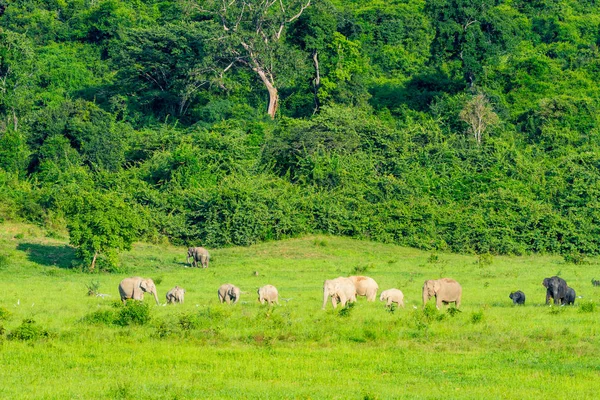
(431, 313)
(105, 317)
(2, 331)
(28, 330)
(4, 262)
(477, 317)
(360, 269)
(485, 259)
(588, 306)
(164, 329)
(433, 259)
(188, 322)
(93, 288)
(346, 310)
(575, 258)
(158, 280)
(555, 310)
(4, 314)
(133, 313)
(453, 311)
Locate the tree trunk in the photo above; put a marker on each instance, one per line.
(317, 80)
(93, 265)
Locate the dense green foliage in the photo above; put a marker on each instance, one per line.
(158, 109)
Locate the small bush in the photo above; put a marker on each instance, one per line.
(555, 310)
(4, 262)
(346, 310)
(164, 329)
(588, 306)
(452, 311)
(93, 288)
(360, 269)
(105, 317)
(433, 259)
(133, 313)
(575, 258)
(158, 280)
(477, 317)
(189, 322)
(4, 314)
(28, 330)
(485, 259)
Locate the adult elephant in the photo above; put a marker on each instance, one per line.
(445, 290)
(135, 287)
(365, 286)
(340, 290)
(228, 293)
(198, 254)
(556, 288)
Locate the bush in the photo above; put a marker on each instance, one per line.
(27, 331)
(105, 317)
(588, 306)
(477, 317)
(4, 314)
(133, 313)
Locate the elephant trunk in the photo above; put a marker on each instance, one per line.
(156, 297)
(425, 297)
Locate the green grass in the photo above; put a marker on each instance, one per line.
(203, 349)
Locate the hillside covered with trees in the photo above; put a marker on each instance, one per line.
(469, 126)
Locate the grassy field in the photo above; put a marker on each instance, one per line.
(57, 342)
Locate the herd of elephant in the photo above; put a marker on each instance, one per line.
(341, 290)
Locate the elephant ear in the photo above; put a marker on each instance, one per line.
(546, 282)
(437, 286)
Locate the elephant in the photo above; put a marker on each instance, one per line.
(198, 254)
(228, 292)
(595, 282)
(570, 296)
(340, 290)
(445, 290)
(269, 294)
(392, 296)
(134, 288)
(175, 295)
(556, 288)
(517, 297)
(365, 286)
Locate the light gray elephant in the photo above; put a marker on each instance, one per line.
(392, 296)
(269, 294)
(175, 295)
(198, 254)
(365, 286)
(445, 290)
(340, 290)
(135, 287)
(228, 293)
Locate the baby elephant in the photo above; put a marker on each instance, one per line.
(175, 295)
(595, 282)
(392, 296)
(228, 293)
(570, 296)
(517, 297)
(269, 294)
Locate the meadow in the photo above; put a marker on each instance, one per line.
(57, 342)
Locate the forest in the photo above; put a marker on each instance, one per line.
(450, 125)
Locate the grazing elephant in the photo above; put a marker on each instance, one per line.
(134, 288)
(340, 290)
(269, 294)
(365, 286)
(392, 296)
(517, 297)
(175, 295)
(570, 296)
(556, 288)
(198, 254)
(228, 292)
(445, 290)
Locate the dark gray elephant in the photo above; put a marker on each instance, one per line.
(556, 288)
(517, 297)
(570, 296)
(198, 254)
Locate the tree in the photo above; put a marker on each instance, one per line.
(479, 114)
(253, 36)
(100, 225)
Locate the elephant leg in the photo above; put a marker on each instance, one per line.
(343, 300)
(438, 302)
(333, 302)
(389, 302)
(457, 302)
(401, 303)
